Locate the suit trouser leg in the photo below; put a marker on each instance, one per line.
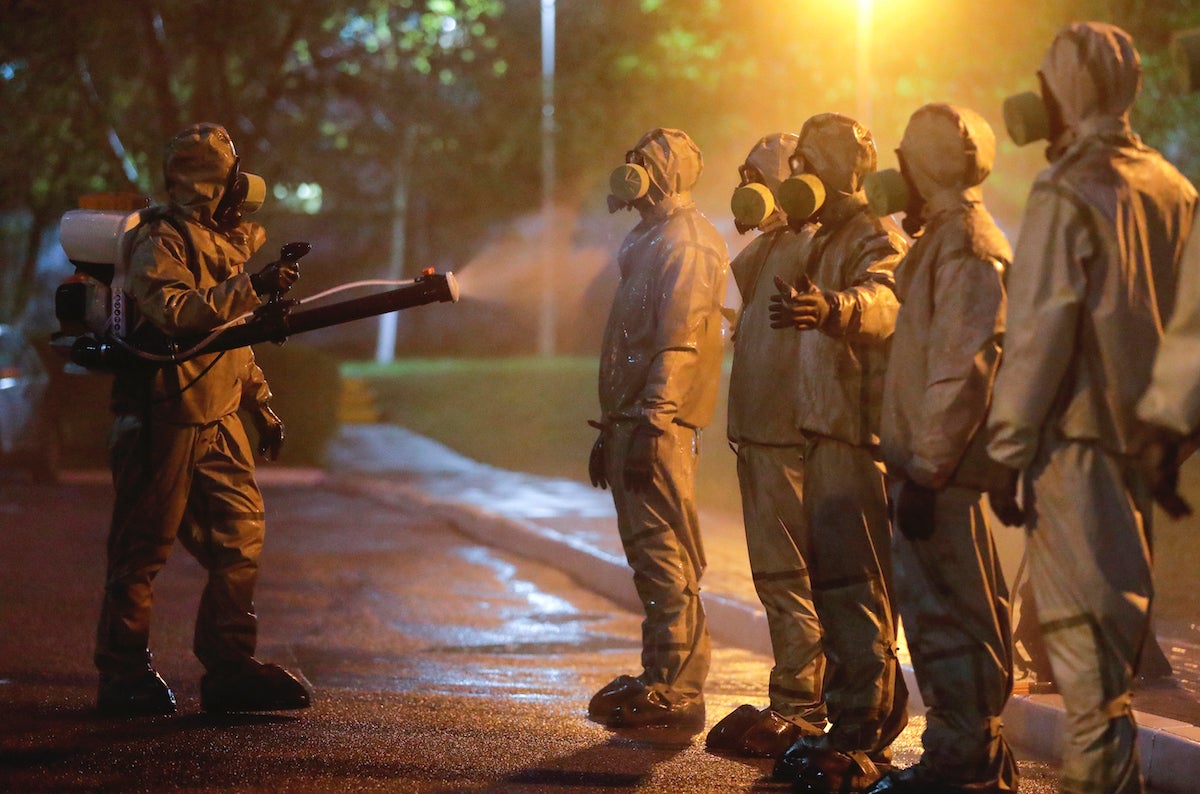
(152, 471)
(660, 532)
(1091, 576)
(224, 531)
(955, 606)
(849, 566)
(772, 482)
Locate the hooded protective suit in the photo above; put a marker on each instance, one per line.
(944, 356)
(660, 369)
(182, 463)
(851, 261)
(764, 428)
(834, 384)
(1093, 276)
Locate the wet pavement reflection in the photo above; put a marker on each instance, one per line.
(438, 664)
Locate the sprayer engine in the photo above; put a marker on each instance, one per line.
(98, 331)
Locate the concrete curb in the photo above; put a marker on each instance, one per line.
(1170, 750)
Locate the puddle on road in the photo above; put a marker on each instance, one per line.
(533, 622)
(515, 639)
(593, 645)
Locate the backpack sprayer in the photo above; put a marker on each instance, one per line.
(99, 329)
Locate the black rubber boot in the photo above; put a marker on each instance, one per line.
(256, 687)
(813, 767)
(774, 733)
(611, 695)
(652, 709)
(920, 779)
(726, 735)
(758, 733)
(830, 771)
(143, 694)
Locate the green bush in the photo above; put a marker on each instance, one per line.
(307, 388)
(79, 405)
(524, 414)
(304, 380)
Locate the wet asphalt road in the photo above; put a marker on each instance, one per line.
(437, 665)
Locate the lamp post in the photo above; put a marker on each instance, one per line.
(862, 62)
(547, 325)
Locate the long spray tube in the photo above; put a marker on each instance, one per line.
(429, 288)
(275, 322)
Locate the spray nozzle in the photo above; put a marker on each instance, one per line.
(289, 254)
(293, 252)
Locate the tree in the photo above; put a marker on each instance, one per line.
(400, 80)
(311, 90)
(419, 119)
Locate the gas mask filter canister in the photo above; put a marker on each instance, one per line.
(244, 194)
(629, 182)
(751, 204)
(801, 196)
(887, 192)
(1026, 118)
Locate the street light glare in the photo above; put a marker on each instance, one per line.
(862, 61)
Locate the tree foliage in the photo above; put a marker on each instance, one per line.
(311, 90)
(354, 95)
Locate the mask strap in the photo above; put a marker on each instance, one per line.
(226, 213)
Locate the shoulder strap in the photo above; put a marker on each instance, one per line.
(119, 319)
(164, 214)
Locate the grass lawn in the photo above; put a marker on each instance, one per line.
(530, 414)
(524, 414)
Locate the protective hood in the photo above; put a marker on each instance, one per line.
(770, 158)
(197, 165)
(946, 152)
(838, 150)
(1093, 73)
(673, 160)
(664, 163)
(201, 168)
(767, 165)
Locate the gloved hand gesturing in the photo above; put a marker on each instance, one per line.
(1159, 464)
(598, 460)
(915, 510)
(639, 463)
(1003, 499)
(270, 431)
(802, 307)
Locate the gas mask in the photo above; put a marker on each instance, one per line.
(1030, 117)
(890, 191)
(628, 183)
(244, 193)
(801, 195)
(752, 202)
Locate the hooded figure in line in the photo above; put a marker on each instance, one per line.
(660, 369)
(1092, 281)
